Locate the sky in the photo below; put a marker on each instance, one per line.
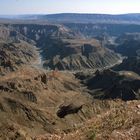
(17, 7)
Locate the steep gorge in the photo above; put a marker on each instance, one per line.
(38, 104)
(65, 49)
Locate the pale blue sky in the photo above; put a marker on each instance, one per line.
(8, 7)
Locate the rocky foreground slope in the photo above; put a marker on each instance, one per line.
(30, 100)
(35, 104)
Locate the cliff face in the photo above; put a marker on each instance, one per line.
(4, 32)
(39, 33)
(129, 64)
(15, 51)
(65, 49)
(129, 46)
(90, 30)
(80, 54)
(14, 55)
(109, 84)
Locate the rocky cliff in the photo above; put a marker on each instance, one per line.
(65, 49)
(79, 54)
(109, 84)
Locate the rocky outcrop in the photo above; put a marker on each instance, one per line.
(14, 55)
(129, 64)
(68, 109)
(79, 54)
(39, 33)
(129, 46)
(42, 78)
(4, 33)
(113, 85)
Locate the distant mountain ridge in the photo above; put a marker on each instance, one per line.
(133, 18)
(81, 18)
(93, 18)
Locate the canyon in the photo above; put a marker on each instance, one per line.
(69, 80)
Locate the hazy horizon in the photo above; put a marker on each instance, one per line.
(28, 14)
(28, 7)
